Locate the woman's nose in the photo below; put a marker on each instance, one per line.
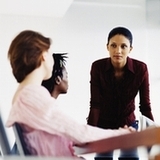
(118, 50)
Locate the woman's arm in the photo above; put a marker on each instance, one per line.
(144, 93)
(36, 108)
(95, 96)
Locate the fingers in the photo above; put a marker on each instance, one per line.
(130, 128)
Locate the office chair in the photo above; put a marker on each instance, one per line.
(21, 145)
(4, 143)
(146, 122)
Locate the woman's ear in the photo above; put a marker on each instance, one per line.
(131, 49)
(107, 47)
(58, 80)
(44, 56)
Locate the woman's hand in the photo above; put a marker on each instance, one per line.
(130, 128)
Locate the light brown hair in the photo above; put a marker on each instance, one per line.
(25, 52)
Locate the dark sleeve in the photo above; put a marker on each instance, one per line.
(144, 93)
(95, 95)
(93, 117)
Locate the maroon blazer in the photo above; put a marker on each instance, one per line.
(112, 102)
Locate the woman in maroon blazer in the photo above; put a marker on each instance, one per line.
(115, 82)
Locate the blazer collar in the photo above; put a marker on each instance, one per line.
(128, 66)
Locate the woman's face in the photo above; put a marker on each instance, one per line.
(119, 48)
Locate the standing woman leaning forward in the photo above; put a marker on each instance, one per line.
(115, 82)
(46, 130)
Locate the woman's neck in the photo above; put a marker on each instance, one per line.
(118, 71)
(35, 77)
(119, 66)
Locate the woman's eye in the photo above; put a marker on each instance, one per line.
(113, 45)
(123, 46)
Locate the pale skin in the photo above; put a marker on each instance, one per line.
(119, 47)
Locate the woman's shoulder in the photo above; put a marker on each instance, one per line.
(137, 65)
(29, 92)
(33, 89)
(138, 61)
(101, 63)
(102, 60)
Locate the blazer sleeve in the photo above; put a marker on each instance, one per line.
(144, 93)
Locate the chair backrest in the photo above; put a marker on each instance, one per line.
(146, 122)
(22, 148)
(4, 143)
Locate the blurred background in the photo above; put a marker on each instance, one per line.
(80, 27)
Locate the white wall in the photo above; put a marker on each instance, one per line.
(82, 33)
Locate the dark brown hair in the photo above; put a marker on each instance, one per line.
(122, 31)
(25, 52)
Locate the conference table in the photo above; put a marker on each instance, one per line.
(148, 139)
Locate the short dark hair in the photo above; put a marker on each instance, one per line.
(122, 31)
(25, 52)
(59, 65)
